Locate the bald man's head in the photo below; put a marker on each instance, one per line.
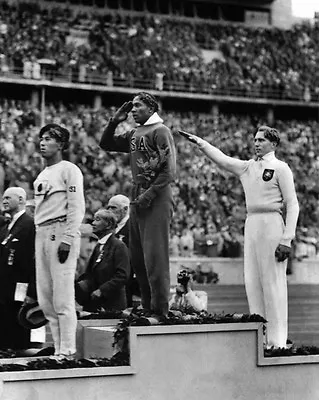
(14, 200)
(120, 205)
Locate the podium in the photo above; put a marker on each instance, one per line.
(207, 361)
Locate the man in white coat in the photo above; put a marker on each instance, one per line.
(269, 188)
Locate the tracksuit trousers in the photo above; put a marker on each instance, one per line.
(149, 250)
(55, 285)
(265, 277)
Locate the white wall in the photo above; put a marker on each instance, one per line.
(282, 14)
(231, 270)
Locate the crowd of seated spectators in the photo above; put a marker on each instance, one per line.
(167, 52)
(209, 204)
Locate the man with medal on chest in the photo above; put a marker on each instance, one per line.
(102, 286)
(17, 269)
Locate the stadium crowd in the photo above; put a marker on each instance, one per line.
(209, 205)
(102, 48)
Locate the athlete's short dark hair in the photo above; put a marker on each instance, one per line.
(270, 133)
(58, 132)
(149, 100)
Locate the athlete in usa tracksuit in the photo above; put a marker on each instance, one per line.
(268, 185)
(153, 165)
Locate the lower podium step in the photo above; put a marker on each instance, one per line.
(83, 339)
(173, 362)
(98, 342)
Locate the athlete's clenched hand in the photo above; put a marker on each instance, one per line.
(282, 252)
(63, 252)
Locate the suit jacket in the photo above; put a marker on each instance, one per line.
(124, 234)
(17, 258)
(107, 270)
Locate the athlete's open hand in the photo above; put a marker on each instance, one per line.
(190, 137)
(282, 252)
(97, 294)
(63, 252)
(122, 113)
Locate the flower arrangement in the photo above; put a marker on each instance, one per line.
(48, 363)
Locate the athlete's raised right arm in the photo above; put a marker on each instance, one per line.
(225, 162)
(108, 141)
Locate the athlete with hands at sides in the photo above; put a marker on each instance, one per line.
(269, 188)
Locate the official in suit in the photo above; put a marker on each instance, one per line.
(120, 205)
(17, 268)
(102, 286)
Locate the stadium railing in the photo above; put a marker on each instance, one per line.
(96, 78)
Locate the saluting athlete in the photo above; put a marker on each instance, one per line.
(269, 186)
(153, 164)
(59, 211)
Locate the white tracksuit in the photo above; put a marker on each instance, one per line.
(59, 211)
(269, 187)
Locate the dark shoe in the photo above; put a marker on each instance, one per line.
(151, 320)
(136, 312)
(289, 344)
(127, 312)
(47, 351)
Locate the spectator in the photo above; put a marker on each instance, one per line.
(214, 241)
(102, 286)
(233, 243)
(17, 269)
(186, 243)
(199, 275)
(106, 174)
(139, 48)
(174, 244)
(211, 276)
(120, 205)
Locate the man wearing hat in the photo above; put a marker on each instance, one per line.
(17, 268)
(103, 283)
(59, 211)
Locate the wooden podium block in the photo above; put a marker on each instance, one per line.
(98, 342)
(83, 325)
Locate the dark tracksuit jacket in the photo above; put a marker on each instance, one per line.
(153, 165)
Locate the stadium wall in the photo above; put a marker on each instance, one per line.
(231, 270)
(281, 14)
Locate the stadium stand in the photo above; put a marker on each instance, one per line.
(162, 53)
(142, 50)
(205, 197)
